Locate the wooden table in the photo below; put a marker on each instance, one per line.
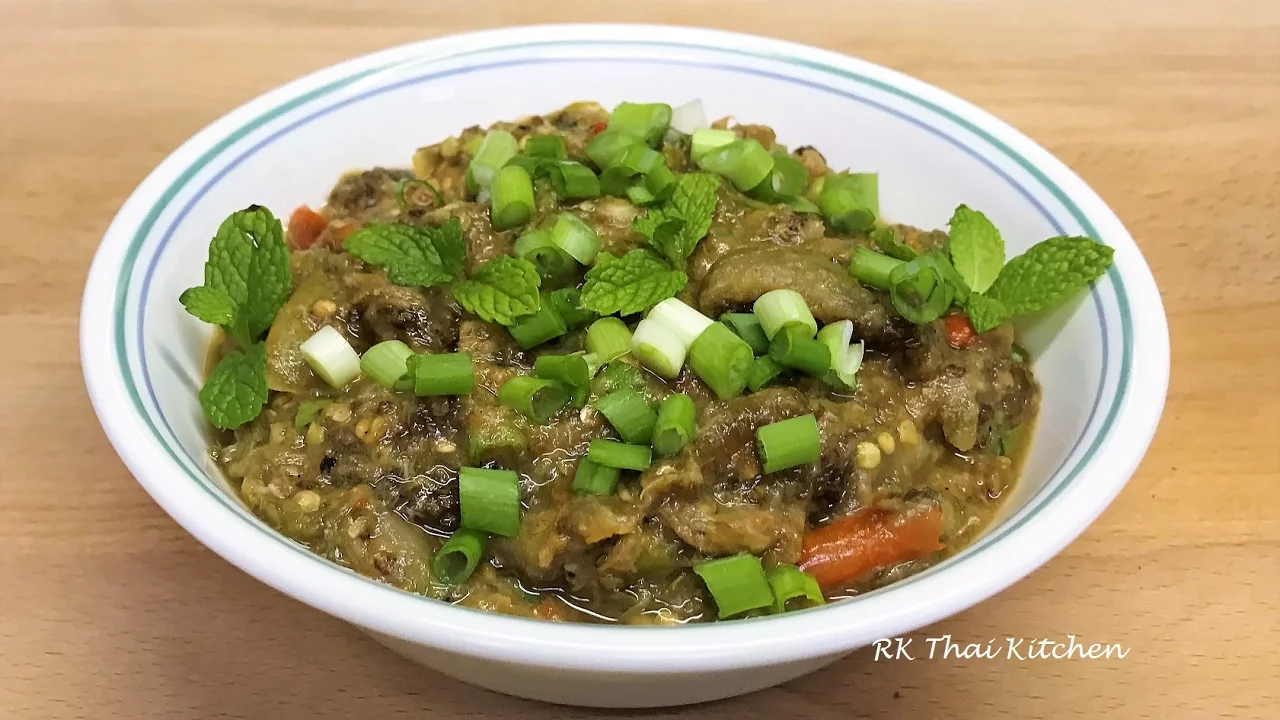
(1171, 110)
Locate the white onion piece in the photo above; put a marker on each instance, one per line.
(331, 356)
(681, 320)
(688, 117)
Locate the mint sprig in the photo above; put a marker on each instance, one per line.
(994, 291)
(412, 255)
(236, 390)
(629, 284)
(977, 250)
(502, 290)
(246, 279)
(246, 276)
(675, 228)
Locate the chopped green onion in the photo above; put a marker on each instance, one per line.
(947, 273)
(658, 348)
(571, 370)
(737, 583)
(605, 149)
(592, 360)
(611, 453)
(780, 307)
(565, 302)
(794, 347)
(784, 183)
(533, 330)
(592, 478)
(791, 583)
(409, 192)
(677, 419)
(804, 206)
(511, 197)
(837, 337)
(472, 146)
(638, 160)
(681, 320)
(872, 268)
(640, 195)
(442, 374)
(331, 356)
(498, 438)
(1011, 441)
(891, 242)
(647, 121)
(722, 360)
(707, 139)
(661, 182)
(629, 414)
(576, 237)
(529, 243)
(538, 399)
(918, 292)
(763, 371)
(757, 204)
(551, 262)
(850, 202)
(744, 162)
(308, 410)
(535, 166)
(618, 375)
(853, 358)
(815, 188)
(495, 150)
(788, 443)
(573, 180)
(608, 338)
(747, 326)
(458, 557)
(489, 500)
(545, 146)
(1019, 354)
(387, 364)
(687, 118)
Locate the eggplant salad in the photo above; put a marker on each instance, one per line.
(623, 366)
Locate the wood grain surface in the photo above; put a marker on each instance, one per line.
(1171, 110)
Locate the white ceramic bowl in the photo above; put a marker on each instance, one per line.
(1103, 362)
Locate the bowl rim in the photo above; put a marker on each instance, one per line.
(832, 630)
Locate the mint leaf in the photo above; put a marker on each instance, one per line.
(1049, 272)
(502, 290)
(629, 284)
(977, 250)
(662, 231)
(674, 228)
(411, 255)
(237, 388)
(246, 277)
(447, 240)
(891, 244)
(270, 279)
(985, 312)
(695, 201)
(212, 305)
